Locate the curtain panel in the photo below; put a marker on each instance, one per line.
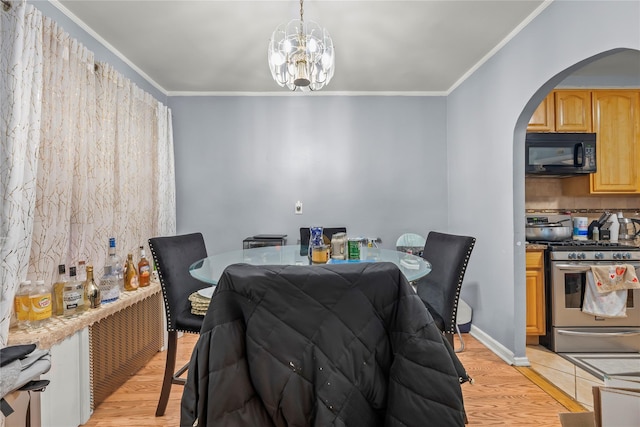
(86, 155)
(20, 110)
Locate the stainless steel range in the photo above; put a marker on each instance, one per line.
(569, 329)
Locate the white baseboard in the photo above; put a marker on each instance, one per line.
(501, 351)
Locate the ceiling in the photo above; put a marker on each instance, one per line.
(214, 46)
(381, 46)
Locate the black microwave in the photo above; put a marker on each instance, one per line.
(560, 154)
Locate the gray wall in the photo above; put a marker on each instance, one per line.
(486, 121)
(387, 165)
(376, 165)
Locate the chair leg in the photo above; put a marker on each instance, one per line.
(449, 337)
(172, 346)
(461, 349)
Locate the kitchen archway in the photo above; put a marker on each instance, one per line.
(597, 72)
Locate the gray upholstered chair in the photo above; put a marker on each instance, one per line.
(440, 289)
(172, 256)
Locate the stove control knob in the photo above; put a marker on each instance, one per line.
(571, 256)
(627, 256)
(617, 256)
(582, 255)
(599, 255)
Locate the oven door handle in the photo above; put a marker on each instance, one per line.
(572, 267)
(585, 268)
(600, 334)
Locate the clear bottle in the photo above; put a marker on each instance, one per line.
(614, 229)
(144, 269)
(596, 234)
(130, 275)
(82, 271)
(58, 287)
(73, 295)
(109, 286)
(40, 304)
(116, 263)
(91, 289)
(22, 303)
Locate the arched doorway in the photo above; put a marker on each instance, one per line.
(608, 71)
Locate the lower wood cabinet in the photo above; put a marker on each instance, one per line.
(535, 292)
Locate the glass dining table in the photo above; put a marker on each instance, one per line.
(209, 270)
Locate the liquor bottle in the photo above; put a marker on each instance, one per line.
(22, 303)
(116, 263)
(109, 285)
(73, 295)
(40, 304)
(82, 271)
(130, 275)
(91, 289)
(58, 287)
(144, 269)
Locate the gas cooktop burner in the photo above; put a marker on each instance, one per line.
(588, 243)
(595, 245)
(588, 251)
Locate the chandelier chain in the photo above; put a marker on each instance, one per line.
(301, 11)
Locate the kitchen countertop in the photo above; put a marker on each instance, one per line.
(58, 328)
(535, 246)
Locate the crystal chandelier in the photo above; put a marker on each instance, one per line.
(301, 55)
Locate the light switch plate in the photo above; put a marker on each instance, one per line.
(298, 208)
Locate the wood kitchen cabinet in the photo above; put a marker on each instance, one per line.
(544, 118)
(616, 116)
(573, 112)
(563, 111)
(535, 292)
(616, 121)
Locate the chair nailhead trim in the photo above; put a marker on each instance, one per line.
(454, 315)
(162, 286)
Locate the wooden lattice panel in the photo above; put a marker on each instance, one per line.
(121, 344)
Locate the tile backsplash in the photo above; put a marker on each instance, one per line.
(546, 194)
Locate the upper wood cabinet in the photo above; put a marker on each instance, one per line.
(614, 115)
(543, 119)
(573, 111)
(616, 120)
(563, 111)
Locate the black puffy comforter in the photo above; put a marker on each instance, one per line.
(330, 345)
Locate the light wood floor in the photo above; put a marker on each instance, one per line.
(500, 396)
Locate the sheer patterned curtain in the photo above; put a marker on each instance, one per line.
(20, 107)
(135, 131)
(86, 155)
(62, 228)
(164, 189)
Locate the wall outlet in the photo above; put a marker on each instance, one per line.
(298, 208)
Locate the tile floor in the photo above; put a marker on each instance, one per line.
(574, 381)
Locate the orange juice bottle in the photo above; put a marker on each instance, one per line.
(41, 304)
(21, 304)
